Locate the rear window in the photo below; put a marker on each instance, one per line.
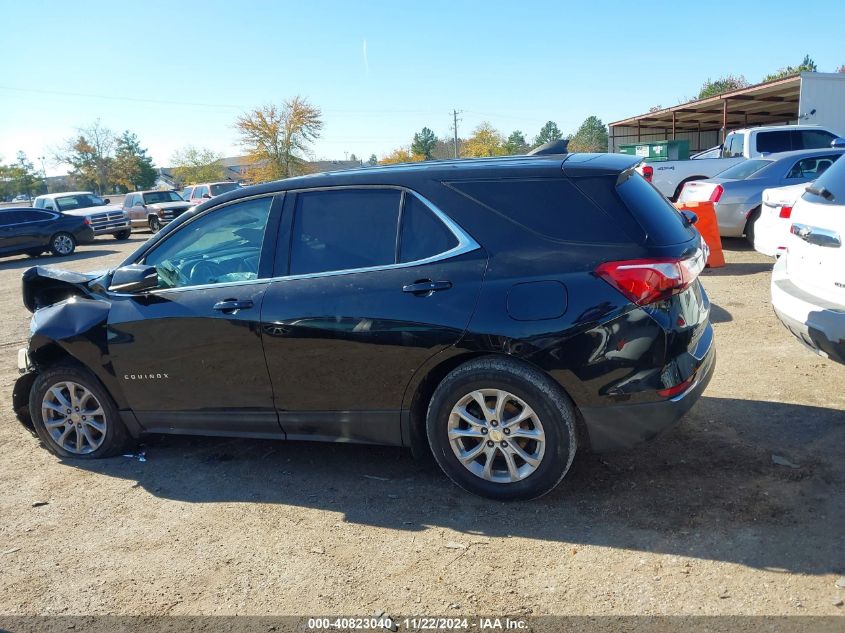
(553, 207)
(772, 142)
(744, 169)
(829, 188)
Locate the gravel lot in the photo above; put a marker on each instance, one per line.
(700, 521)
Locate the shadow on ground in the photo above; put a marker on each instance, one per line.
(706, 489)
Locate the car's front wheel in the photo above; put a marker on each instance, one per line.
(155, 224)
(62, 244)
(501, 429)
(123, 235)
(74, 415)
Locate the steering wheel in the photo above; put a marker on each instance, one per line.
(204, 272)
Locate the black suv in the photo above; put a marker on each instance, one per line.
(497, 312)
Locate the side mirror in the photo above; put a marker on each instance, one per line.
(134, 278)
(106, 201)
(207, 196)
(689, 216)
(838, 143)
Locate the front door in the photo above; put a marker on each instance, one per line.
(359, 311)
(189, 355)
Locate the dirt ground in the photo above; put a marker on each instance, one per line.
(700, 521)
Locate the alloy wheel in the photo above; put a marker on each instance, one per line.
(63, 244)
(73, 417)
(496, 435)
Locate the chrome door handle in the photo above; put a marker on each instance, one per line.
(232, 305)
(426, 287)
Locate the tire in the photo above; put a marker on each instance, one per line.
(62, 244)
(98, 435)
(36, 252)
(749, 226)
(155, 224)
(123, 235)
(517, 390)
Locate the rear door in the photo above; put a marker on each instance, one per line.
(378, 281)
(816, 256)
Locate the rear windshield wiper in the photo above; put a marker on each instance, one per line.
(820, 191)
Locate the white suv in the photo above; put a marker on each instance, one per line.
(808, 281)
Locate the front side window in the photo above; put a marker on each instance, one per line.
(344, 230)
(734, 146)
(773, 142)
(199, 192)
(156, 197)
(811, 168)
(223, 246)
(423, 235)
(80, 201)
(223, 187)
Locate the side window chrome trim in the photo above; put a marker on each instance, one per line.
(466, 244)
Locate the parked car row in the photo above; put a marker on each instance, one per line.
(57, 222)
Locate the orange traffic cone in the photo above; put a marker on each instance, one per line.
(708, 226)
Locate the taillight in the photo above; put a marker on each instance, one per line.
(645, 281)
(717, 192)
(674, 391)
(648, 172)
(785, 212)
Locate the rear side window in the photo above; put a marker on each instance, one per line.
(552, 207)
(661, 221)
(344, 230)
(829, 188)
(811, 139)
(422, 234)
(744, 169)
(771, 142)
(811, 168)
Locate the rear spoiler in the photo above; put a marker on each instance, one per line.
(558, 146)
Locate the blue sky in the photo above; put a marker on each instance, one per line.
(179, 72)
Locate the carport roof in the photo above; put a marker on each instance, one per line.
(766, 103)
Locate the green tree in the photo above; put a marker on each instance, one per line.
(549, 132)
(278, 137)
(192, 165)
(485, 141)
(91, 156)
(590, 137)
(807, 65)
(373, 160)
(424, 142)
(20, 177)
(711, 88)
(516, 143)
(132, 168)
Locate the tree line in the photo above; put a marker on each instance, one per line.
(486, 140)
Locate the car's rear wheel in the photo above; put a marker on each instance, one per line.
(501, 429)
(155, 224)
(36, 252)
(74, 415)
(62, 244)
(123, 235)
(750, 225)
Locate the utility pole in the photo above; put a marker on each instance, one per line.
(455, 127)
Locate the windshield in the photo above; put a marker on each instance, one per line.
(223, 187)
(829, 188)
(744, 169)
(155, 197)
(78, 201)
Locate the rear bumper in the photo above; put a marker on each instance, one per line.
(816, 322)
(85, 235)
(770, 235)
(622, 426)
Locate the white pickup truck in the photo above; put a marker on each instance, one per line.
(670, 176)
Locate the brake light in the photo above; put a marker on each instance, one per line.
(717, 192)
(645, 281)
(674, 391)
(648, 172)
(785, 212)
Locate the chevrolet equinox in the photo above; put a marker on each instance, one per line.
(499, 313)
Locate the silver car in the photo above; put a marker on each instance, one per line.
(737, 192)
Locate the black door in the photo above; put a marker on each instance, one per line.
(361, 310)
(189, 355)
